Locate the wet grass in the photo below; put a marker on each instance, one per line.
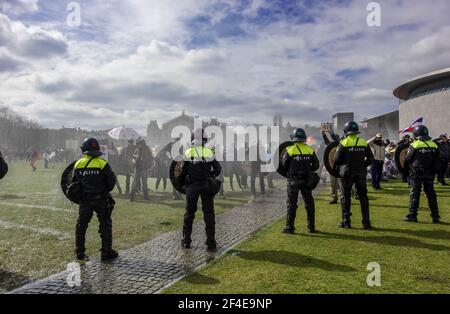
(28, 254)
(414, 258)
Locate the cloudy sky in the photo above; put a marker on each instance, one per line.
(134, 60)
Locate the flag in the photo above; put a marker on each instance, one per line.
(412, 126)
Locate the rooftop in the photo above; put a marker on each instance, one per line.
(404, 91)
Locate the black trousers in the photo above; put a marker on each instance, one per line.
(244, 180)
(376, 172)
(140, 179)
(262, 185)
(414, 196)
(193, 193)
(359, 181)
(86, 211)
(238, 179)
(442, 171)
(294, 187)
(127, 184)
(158, 181)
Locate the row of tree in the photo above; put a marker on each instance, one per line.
(17, 133)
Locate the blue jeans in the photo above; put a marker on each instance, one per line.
(376, 171)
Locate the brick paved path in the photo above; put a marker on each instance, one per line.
(152, 265)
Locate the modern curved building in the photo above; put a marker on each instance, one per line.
(427, 97)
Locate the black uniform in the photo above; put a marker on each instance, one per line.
(444, 155)
(355, 156)
(198, 168)
(422, 159)
(299, 161)
(97, 180)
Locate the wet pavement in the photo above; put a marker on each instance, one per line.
(152, 265)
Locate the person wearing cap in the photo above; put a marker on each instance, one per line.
(378, 147)
(198, 172)
(423, 160)
(299, 161)
(352, 158)
(97, 180)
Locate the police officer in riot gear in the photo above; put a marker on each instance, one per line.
(352, 158)
(199, 170)
(422, 159)
(96, 179)
(300, 162)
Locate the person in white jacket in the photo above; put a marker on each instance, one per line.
(378, 147)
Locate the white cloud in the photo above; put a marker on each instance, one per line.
(137, 66)
(372, 94)
(23, 43)
(18, 6)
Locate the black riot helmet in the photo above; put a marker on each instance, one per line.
(198, 137)
(421, 132)
(351, 128)
(91, 147)
(298, 135)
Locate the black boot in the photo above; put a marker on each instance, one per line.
(367, 226)
(346, 222)
(109, 254)
(186, 243)
(288, 230)
(435, 216)
(311, 222)
(290, 222)
(106, 234)
(311, 226)
(411, 217)
(436, 220)
(211, 245)
(435, 213)
(81, 256)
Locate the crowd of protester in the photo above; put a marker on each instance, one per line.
(384, 167)
(48, 155)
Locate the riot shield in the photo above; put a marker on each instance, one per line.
(400, 154)
(3, 167)
(328, 159)
(66, 178)
(280, 152)
(174, 175)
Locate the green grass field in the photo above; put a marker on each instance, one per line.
(37, 222)
(414, 258)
